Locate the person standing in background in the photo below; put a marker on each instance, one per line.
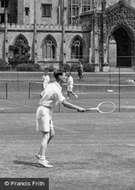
(70, 83)
(45, 79)
(80, 71)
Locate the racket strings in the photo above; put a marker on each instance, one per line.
(106, 107)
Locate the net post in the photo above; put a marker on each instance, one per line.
(119, 91)
(29, 90)
(6, 90)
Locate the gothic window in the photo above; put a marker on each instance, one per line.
(74, 6)
(46, 10)
(19, 44)
(10, 52)
(2, 4)
(86, 5)
(19, 51)
(49, 48)
(77, 49)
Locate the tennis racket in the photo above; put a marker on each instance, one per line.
(103, 107)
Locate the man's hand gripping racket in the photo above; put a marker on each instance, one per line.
(103, 107)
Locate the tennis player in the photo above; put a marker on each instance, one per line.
(70, 82)
(45, 79)
(51, 96)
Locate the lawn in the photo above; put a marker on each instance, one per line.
(90, 151)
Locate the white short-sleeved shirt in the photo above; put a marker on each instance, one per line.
(70, 80)
(46, 79)
(52, 95)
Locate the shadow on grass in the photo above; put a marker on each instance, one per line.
(17, 162)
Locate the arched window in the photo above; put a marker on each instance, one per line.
(49, 48)
(20, 45)
(19, 51)
(77, 49)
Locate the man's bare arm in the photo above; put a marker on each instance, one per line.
(72, 106)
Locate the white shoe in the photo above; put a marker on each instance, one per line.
(44, 163)
(38, 156)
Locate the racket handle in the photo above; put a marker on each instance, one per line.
(81, 111)
(90, 109)
(87, 110)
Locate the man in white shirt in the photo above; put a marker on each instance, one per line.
(51, 96)
(70, 82)
(45, 79)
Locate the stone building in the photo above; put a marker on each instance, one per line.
(98, 32)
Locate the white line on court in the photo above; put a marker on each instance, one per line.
(21, 143)
(5, 108)
(54, 126)
(132, 145)
(129, 107)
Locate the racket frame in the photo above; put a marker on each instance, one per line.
(98, 107)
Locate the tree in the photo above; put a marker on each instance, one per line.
(20, 52)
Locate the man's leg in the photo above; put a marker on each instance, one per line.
(71, 92)
(44, 142)
(81, 76)
(43, 147)
(51, 134)
(68, 93)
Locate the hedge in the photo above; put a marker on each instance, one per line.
(28, 67)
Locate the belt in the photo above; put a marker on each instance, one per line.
(46, 107)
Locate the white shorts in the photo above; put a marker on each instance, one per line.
(44, 85)
(44, 119)
(70, 88)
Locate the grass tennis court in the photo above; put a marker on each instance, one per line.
(89, 151)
